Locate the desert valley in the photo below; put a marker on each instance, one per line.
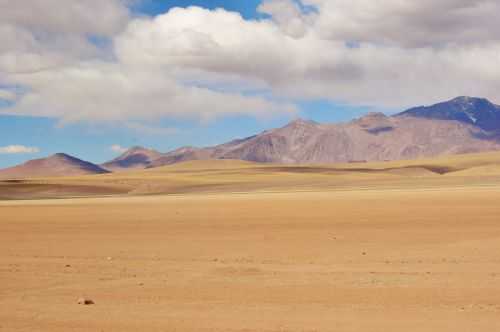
(249, 166)
(218, 244)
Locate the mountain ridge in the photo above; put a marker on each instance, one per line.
(272, 145)
(452, 127)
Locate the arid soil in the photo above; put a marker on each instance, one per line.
(387, 259)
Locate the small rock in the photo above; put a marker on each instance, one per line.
(85, 301)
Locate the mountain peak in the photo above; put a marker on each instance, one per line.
(466, 99)
(138, 150)
(60, 155)
(372, 120)
(463, 99)
(135, 149)
(135, 157)
(301, 122)
(479, 112)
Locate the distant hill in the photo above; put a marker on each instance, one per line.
(134, 158)
(59, 164)
(479, 112)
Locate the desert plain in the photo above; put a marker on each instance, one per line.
(236, 246)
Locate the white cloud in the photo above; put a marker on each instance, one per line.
(203, 64)
(41, 34)
(18, 149)
(75, 83)
(110, 92)
(118, 148)
(288, 15)
(409, 23)
(97, 17)
(316, 65)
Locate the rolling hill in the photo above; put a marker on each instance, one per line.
(59, 164)
(236, 176)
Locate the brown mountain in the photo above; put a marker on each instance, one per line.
(134, 158)
(59, 164)
(374, 137)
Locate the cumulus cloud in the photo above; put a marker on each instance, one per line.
(203, 64)
(40, 34)
(98, 17)
(409, 23)
(109, 92)
(288, 15)
(317, 65)
(75, 83)
(18, 149)
(118, 148)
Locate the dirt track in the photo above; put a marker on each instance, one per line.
(405, 260)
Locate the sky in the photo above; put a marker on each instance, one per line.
(96, 77)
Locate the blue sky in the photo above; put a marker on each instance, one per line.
(247, 8)
(92, 141)
(115, 76)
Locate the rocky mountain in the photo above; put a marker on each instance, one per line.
(59, 164)
(462, 125)
(479, 112)
(134, 158)
(374, 137)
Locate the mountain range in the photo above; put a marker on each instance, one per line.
(462, 125)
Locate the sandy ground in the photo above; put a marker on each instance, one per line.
(359, 260)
